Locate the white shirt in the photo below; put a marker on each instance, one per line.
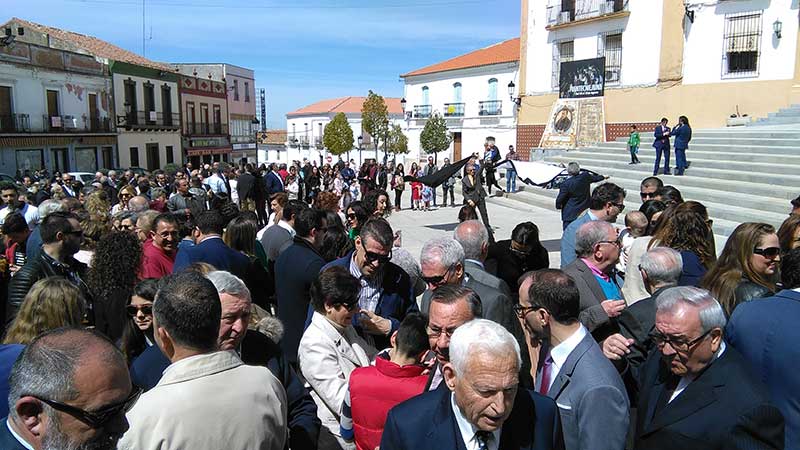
(30, 212)
(560, 352)
(468, 430)
(687, 380)
(18, 437)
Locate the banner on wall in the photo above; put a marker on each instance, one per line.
(582, 79)
(575, 123)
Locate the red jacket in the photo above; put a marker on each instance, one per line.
(374, 390)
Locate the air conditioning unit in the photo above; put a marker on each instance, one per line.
(563, 17)
(70, 122)
(607, 7)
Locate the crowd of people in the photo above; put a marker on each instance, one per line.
(244, 308)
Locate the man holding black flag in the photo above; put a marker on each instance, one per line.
(491, 155)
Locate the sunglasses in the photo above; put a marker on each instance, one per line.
(647, 195)
(769, 252)
(134, 310)
(438, 279)
(620, 206)
(96, 419)
(372, 257)
(351, 216)
(347, 306)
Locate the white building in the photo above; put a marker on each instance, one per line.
(471, 92)
(305, 128)
(664, 58)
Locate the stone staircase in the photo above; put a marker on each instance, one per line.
(790, 115)
(741, 174)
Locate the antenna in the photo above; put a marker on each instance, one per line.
(143, 32)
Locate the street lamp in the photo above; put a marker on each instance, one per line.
(403, 104)
(777, 26)
(360, 146)
(511, 91)
(385, 143)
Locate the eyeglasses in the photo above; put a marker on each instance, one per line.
(620, 206)
(347, 306)
(678, 344)
(351, 216)
(133, 310)
(523, 311)
(438, 279)
(616, 242)
(125, 227)
(96, 419)
(769, 252)
(435, 332)
(371, 257)
(647, 195)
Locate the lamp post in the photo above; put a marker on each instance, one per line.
(360, 146)
(777, 26)
(386, 142)
(511, 93)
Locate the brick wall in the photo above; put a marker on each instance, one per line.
(528, 137)
(618, 130)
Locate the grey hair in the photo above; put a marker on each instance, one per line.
(228, 283)
(663, 266)
(138, 204)
(444, 249)
(589, 234)
(481, 336)
(50, 206)
(573, 168)
(472, 236)
(711, 313)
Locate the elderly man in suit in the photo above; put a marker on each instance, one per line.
(696, 392)
(573, 195)
(211, 248)
(483, 406)
(607, 202)
(598, 248)
(766, 333)
(586, 387)
(474, 238)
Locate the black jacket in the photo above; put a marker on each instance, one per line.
(574, 194)
(746, 290)
(43, 266)
(508, 266)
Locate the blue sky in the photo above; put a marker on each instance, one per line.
(302, 50)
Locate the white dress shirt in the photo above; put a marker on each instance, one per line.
(18, 437)
(468, 430)
(560, 352)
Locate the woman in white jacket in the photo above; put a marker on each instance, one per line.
(331, 348)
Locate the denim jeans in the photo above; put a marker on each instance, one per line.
(511, 180)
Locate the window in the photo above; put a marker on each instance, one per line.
(741, 44)
(236, 90)
(86, 159)
(7, 120)
(190, 118)
(166, 104)
(134, 157)
(217, 119)
(492, 90)
(52, 103)
(170, 156)
(246, 92)
(610, 46)
(149, 102)
(562, 52)
(107, 154)
(425, 96)
(457, 93)
(30, 160)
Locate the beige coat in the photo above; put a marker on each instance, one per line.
(210, 402)
(326, 360)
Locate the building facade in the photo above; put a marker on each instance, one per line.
(471, 92)
(663, 58)
(205, 129)
(55, 108)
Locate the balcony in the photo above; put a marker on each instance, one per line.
(319, 144)
(150, 120)
(490, 108)
(304, 142)
(206, 129)
(422, 111)
(584, 11)
(21, 123)
(454, 110)
(15, 123)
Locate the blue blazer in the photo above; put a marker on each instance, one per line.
(7, 440)
(396, 301)
(765, 332)
(212, 251)
(427, 422)
(683, 134)
(8, 356)
(273, 183)
(661, 141)
(574, 194)
(568, 240)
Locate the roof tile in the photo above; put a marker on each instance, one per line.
(347, 105)
(503, 52)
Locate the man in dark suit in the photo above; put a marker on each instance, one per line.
(475, 196)
(474, 238)
(296, 268)
(661, 144)
(273, 181)
(573, 195)
(279, 237)
(59, 373)
(210, 247)
(696, 392)
(766, 333)
(386, 295)
(244, 187)
(500, 415)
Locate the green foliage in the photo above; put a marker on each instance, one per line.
(398, 142)
(434, 137)
(338, 136)
(375, 117)
(171, 169)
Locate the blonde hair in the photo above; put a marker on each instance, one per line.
(51, 303)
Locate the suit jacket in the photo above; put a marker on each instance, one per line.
(198, 404)
(396, 300)
(427, 422)
(273, 183)
(212, 251)
(7, 440)
(574, 194)
(661, 141)
(637, 322)
(479, 274)
(326, 359)
(245, 184)
(8, 356)
(568, 239)
(766, 334)
(470, 191)
(725, 407)
(683, 134)
(508, 266)
(591, 400)
(275, 240)
(592, 314)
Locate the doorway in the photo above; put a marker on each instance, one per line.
(456, 147)
(59, 157)
(153, 162)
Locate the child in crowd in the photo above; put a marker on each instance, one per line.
(373, 390)
(416, 192)
(427, 196)
(633, 145)
(635, 226)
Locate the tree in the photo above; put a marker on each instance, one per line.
(375, 117)
(338, 136)
(434, 137)
(398, 142)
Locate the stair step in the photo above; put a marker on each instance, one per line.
(726, 144)
(762, 154)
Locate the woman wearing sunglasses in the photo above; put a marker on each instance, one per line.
(356, 216)
(747, 268)
(138, 332)
(331, 348)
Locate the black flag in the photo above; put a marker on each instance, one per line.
(437, 178)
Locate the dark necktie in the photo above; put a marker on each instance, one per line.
(483, 439)
(547, 369)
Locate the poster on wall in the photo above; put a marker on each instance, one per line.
(574, 123)
(581, 79)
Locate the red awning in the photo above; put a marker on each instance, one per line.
(208, 151)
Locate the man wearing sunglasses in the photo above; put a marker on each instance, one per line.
(69, 389)
(607, 202)
(386, 293)
(648, 188)
(698, 392)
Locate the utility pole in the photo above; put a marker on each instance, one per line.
(143, 32)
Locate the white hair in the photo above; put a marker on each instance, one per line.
(662, 265)
(444, 249)
(472, 236)
(573, 168)
(711, 313)
(50, 206)
(228, 283)
(481, 336)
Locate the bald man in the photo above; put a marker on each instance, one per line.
(474, 238)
